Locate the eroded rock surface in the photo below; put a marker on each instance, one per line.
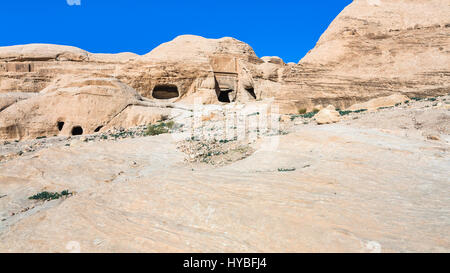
(372, 184)
(73, 107)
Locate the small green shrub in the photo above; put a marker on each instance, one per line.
(286, 170)
(346, 112)
(170, 124)
(310, 114)
(302, 111)
(226, 140)
(307, 115)
(46, 196)
(160, 128)
(155, 130)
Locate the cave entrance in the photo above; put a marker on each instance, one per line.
(251, 92)
(165, 91)
(98, 129)
(60, 125)
(77, 131)
(224, 96)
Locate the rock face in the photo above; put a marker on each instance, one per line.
(191, 48)
(70, 107)
(42, 52)
(7, 99)
(377, 47)
(372, 49)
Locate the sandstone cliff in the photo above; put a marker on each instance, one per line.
(372, 49)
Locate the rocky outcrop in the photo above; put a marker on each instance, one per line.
(72, 107)
(377, 48)
(42, 52)
(374, 104)
(191, 48)
(8, 99)
(327, 115)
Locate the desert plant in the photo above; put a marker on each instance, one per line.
(302, 111)
(306, 115)
(154, 130)
(309, 115)
(160, 128)
(286, 170)
(385, 107)
(170, 124)
(46, 196)
(346, 112)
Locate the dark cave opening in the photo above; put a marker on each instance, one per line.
(60, 125)
(251, 91)
(98, 129)
(165, 91)
(77, 130)
(224, 96)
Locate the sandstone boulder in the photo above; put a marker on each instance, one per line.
(327, 115)
(273, 60)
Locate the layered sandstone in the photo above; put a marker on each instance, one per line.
(372, 49)
(74, 106)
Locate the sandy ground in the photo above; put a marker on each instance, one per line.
(374, 182)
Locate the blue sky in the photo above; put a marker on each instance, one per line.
(285, 28)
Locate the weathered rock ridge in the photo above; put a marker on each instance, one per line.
(372, 49)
